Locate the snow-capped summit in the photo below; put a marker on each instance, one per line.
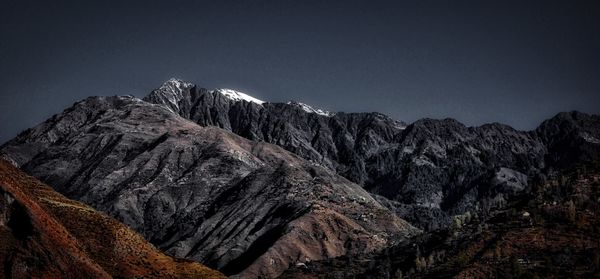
(239, 96)
(175, 85)
(171, 92)
(310, 109)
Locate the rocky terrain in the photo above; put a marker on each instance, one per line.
(45, 235)
(258, 189)
(339, 141)
(247, 208)
(550, 232)
(427, 171)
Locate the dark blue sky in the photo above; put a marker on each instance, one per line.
(476, 61)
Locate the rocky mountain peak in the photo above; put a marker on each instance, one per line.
(171, 94)
(174, 88)
(176, 82)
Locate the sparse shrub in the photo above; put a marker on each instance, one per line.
(467, 217)
(562, 181)
(517, 269)
(462, 259)
(398, 274)
(596, 260)
(430, 261)
(497, 252)
(571, 211)
(456, 223)
(420, 263)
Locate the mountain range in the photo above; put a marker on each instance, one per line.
(261, 190)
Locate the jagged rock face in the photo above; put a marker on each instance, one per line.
(429, 170)
(443, 165)
(440, 168)
(339, 141)
(433, 168)
(247, 208)
(571, 137)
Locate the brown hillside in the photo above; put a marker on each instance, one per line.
(45, 235)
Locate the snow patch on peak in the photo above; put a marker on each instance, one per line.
(310, 109)
(239, 96)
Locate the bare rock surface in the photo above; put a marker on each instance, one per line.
(249, 209)
(431, 170)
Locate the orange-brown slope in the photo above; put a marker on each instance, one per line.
(45, 235)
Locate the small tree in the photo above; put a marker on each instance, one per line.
(517, 269)
(596, 260)
(430, 260)
(420, 263)
(497, 252)
(562, 181)
(456, 223)
(398, 274)
(571, 211)
(467, 216)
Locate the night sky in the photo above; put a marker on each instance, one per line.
(476, 61)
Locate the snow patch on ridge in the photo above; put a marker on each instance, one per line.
(239, 96)
(589, 138)
(399, 125)
(310, 109)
